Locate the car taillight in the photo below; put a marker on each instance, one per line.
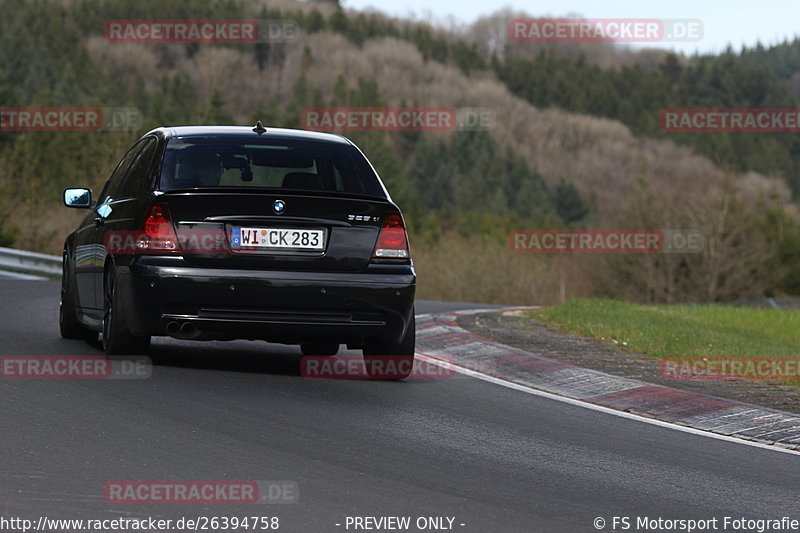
(392, 240)
(159, 235)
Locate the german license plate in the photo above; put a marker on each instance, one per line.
(278, 238)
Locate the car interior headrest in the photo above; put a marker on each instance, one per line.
(301, 180)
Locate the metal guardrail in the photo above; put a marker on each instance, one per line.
(20, 264)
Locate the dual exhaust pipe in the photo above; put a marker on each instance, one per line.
(184, 331)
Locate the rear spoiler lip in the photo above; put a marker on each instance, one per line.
(272, 191)
(282, 219)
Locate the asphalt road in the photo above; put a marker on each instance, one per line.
(495, 459)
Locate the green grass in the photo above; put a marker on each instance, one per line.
(680, 331)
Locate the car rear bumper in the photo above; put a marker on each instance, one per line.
(278, 306)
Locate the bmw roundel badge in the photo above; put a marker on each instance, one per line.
(279, 206)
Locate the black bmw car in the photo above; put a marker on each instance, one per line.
(216, 233)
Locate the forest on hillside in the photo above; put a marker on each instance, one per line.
(576, 141)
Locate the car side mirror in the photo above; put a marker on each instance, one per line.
(78, 198)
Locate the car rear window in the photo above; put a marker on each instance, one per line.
(203, 162)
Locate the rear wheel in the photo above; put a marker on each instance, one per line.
(391, 360)
(319, 348)
(117, 339)
(68, 322)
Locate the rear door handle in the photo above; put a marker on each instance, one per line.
(99, 221)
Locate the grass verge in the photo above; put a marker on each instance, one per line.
(681, 331)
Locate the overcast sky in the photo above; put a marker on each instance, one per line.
(736, 22)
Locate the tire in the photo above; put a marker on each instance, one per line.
(117, 339)
(390, 360)
(68, 322)
(319, 348)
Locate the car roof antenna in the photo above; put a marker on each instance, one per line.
(259, 128)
